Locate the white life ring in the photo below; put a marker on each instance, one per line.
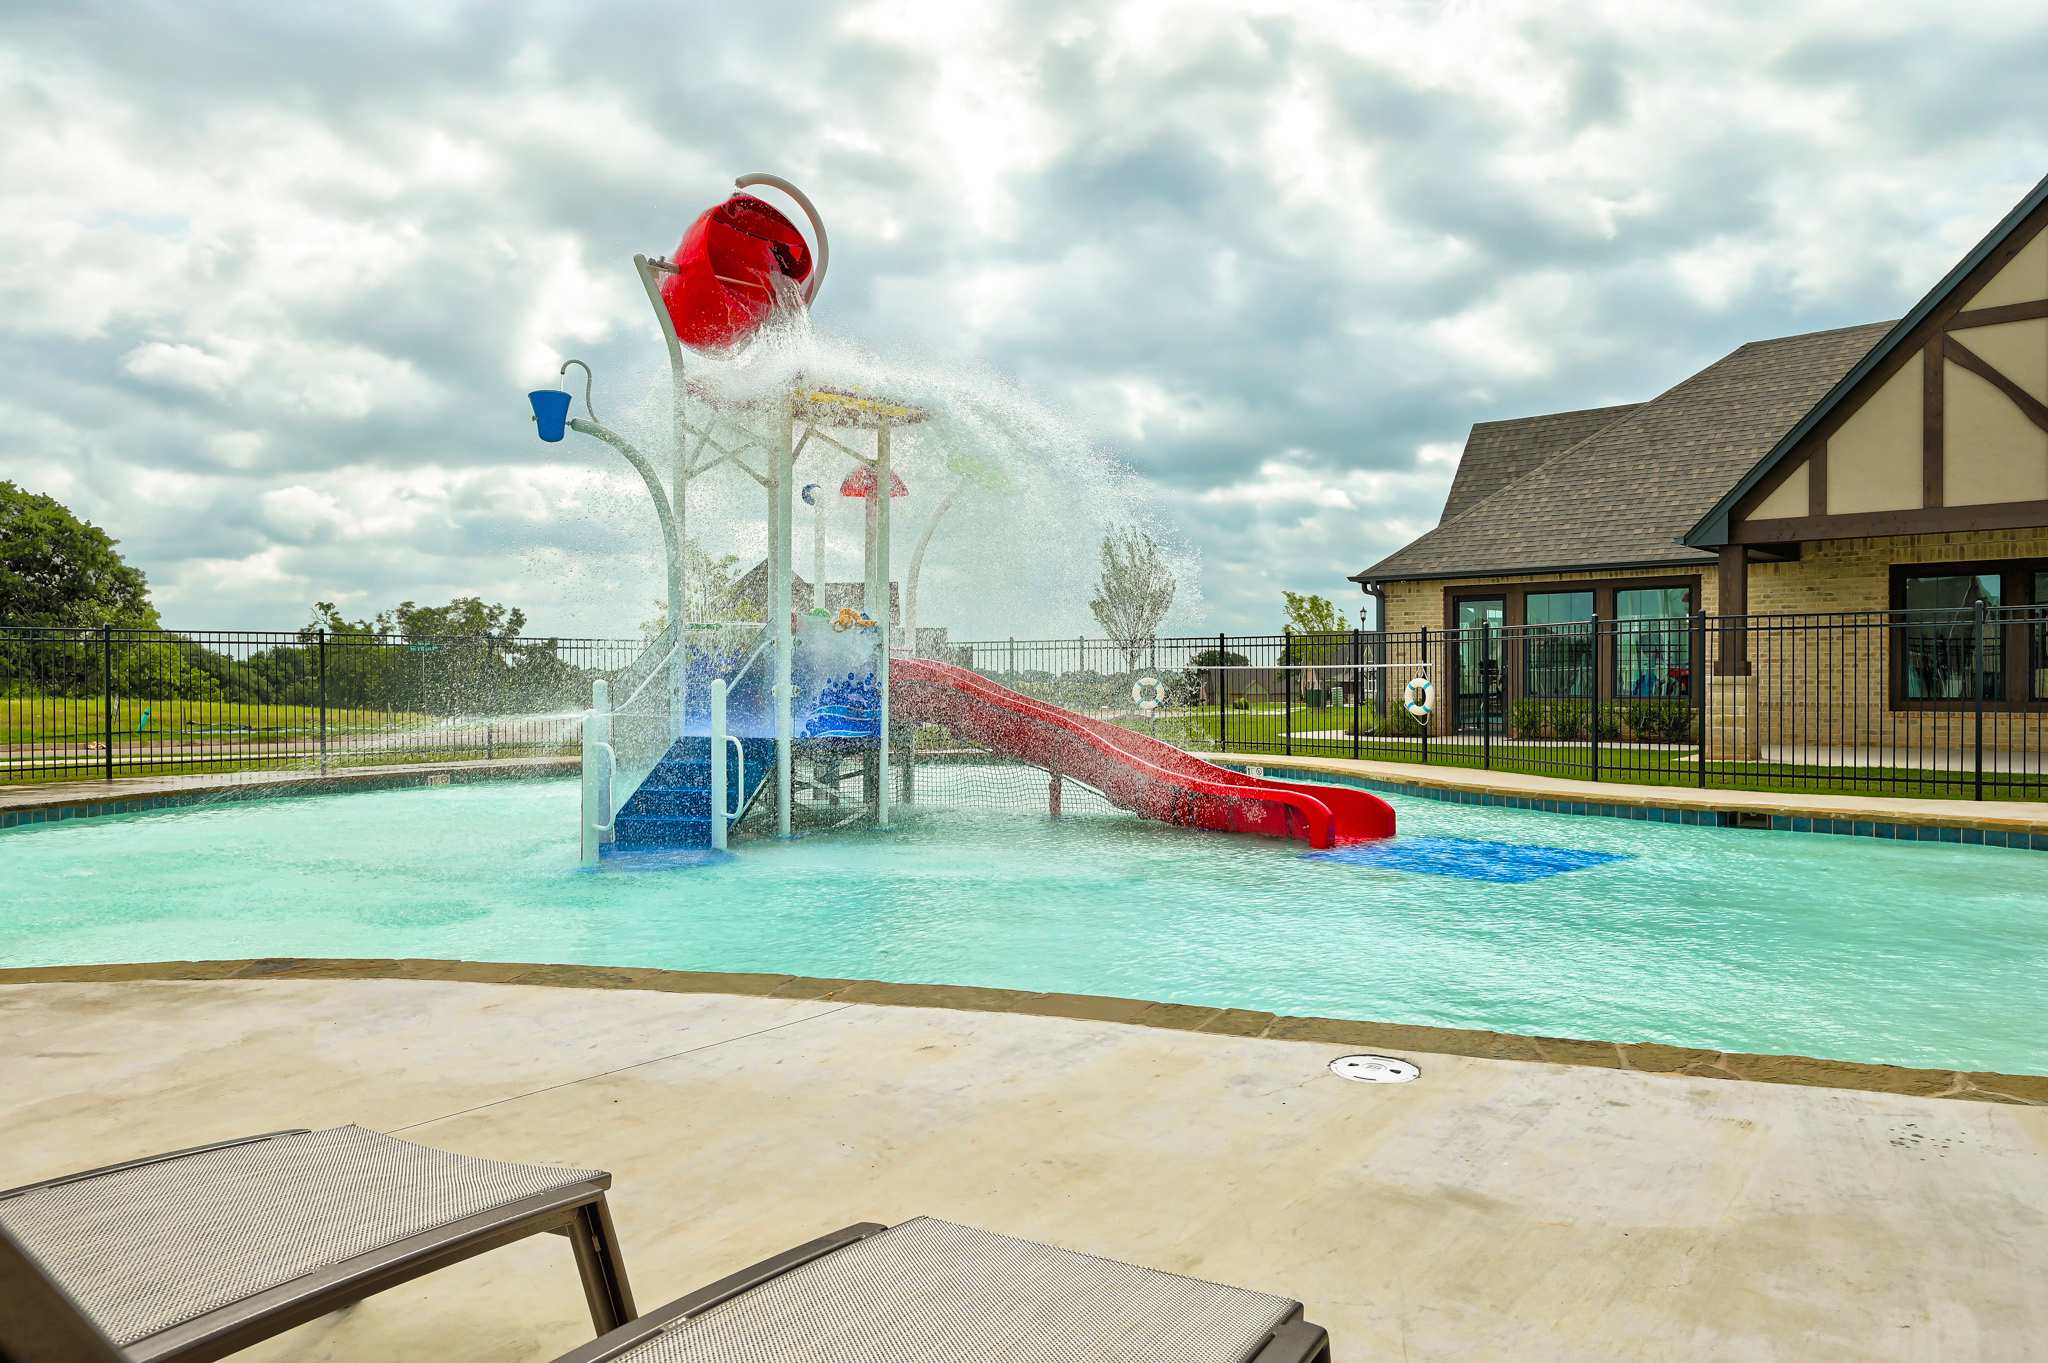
(1418, 697)
(1153, 701)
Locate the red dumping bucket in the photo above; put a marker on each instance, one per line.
(723, 287)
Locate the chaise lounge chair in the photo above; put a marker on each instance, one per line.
(198, 1253)
(924, 1290)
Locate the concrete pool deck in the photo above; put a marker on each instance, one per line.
(1493, 1209)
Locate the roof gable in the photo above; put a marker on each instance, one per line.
(1623, 496)
(1499, 452)
(1988, 258)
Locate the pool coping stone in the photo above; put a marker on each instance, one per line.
(1654, 1058)
(1990, 823)
(27, 804)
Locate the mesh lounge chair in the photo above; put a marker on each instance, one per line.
(925, 1292)
(198, 1253)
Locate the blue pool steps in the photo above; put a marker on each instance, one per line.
(672, 808)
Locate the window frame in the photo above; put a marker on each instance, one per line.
(1516, 614)
(2015, 591)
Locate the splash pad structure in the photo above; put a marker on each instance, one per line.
(681, 746)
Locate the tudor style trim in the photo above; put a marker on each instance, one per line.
(1915, 330)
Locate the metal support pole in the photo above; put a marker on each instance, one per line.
(597, 751)
(1593, 633)
(1426, 723)
(781, 557)
(884, 483)
(1696, 677)
(323, 702)
(719, 799)
(107, 697)
(1486, 695)
(1286, 690)
(1222, 704)
(1357, 681)
(1977, 687)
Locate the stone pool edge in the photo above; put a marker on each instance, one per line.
(1780, 812)
(26, 806)
(1982, 1086)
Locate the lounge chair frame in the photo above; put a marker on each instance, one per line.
(577, 1210)
(1295, 1340)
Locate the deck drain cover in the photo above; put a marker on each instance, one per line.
(1374, 1069)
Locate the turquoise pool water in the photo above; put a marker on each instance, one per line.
(1915, 954)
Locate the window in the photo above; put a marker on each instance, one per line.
(1943, 659)
(1557, 653)
(1478, 661)
(2037, 650)
(1653, 642)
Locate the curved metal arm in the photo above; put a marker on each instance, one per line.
(588, 379)
(817, 280)
(654, 490)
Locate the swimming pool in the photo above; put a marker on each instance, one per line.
(1850, 948)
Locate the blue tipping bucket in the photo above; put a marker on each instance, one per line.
(550, 410)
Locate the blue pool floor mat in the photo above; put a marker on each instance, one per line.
(1467, 859)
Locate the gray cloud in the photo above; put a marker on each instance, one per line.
(274, 279)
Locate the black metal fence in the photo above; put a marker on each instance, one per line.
(113, 702)
(1944, 703)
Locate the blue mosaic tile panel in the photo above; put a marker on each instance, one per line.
(1466, 859)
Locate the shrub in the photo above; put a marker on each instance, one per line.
(1525, 719)
(1659, 721)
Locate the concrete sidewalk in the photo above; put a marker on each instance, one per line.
(1491, 1210)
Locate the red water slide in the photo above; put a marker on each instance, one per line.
(1151, 779)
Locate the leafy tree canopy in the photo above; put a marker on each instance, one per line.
(1135, 591)
(56, 570)
(465, 616)
(1312, 614)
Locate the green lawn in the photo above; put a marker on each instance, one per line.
(66, 719)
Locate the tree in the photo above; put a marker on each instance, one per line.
(710, 593)
(1317, 633)
(1312, 614)
(970, 470)
(1135, 592)
(56, 570)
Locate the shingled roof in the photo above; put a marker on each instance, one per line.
(1499, 452)
(1622, 496)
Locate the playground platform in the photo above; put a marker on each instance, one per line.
(1493, 1209)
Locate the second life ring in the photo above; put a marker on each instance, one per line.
(1418, 697)
(1152, 701)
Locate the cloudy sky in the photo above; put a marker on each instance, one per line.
(274, 278)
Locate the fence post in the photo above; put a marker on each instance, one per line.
(1977, 688)
(323, 702)
(1431, 719)
(1485, 696)
(1223, 707)
(1286, 690)
(1357, 680)
(1696, 677)
(107, 696)
(1593, 630)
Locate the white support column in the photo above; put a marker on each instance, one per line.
(781, 559)
(825, 492)
(884, 484)
(719, 798)
(597, 738)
